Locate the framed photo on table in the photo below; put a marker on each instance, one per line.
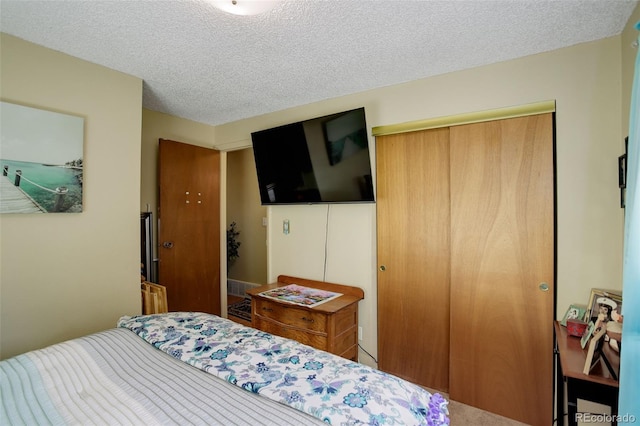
(587, 334)
(594, 352)
(603, 301)
(575, 311)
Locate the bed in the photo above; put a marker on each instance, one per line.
(193, 368)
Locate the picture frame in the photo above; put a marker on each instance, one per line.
(42, 157)
(603, 300)
(575, 311)
(594, 352)
(622, 173)
(587, 334)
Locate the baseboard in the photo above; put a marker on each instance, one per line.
(239, 288)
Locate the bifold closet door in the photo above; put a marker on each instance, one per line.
(502, 267)
(413, 255)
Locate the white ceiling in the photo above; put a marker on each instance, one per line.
(203, 64)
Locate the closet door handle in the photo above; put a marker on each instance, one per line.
(543, 287)
(382, 268)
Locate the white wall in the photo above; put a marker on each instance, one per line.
(585, 81)
(66, 275)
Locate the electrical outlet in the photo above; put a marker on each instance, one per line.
(360, 334)
(264, 221)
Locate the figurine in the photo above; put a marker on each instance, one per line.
(614, 331)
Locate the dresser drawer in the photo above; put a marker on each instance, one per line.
(292, 316)
(318, 341)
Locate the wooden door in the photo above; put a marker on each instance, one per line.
(502, 252)
(189, 226)
(413, 256)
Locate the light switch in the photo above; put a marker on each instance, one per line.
(285, 227)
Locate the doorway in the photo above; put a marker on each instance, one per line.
(249, 216)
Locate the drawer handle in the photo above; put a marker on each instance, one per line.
(267, 309)
(308, 319)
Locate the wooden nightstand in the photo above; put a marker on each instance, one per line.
(598, 386)
(331, 326)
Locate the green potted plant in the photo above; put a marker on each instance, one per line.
(233, 245)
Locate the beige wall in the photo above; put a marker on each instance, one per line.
(66, 275)
(156, 126)
(45, 280)
(585, 81)
(244, 208)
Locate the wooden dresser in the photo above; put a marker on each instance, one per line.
(331, 326)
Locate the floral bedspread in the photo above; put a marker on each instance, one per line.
(331, 388)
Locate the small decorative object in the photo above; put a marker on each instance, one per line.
(233, 245)
(575, 311)
(576, 327)
(614, 331)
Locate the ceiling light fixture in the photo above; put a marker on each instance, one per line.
(245, 7)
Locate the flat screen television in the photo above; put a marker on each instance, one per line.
(322, 160)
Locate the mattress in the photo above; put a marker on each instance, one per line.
(200, 369)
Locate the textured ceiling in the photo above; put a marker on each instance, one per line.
(203, 64)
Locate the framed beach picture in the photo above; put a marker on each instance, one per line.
(41, 157)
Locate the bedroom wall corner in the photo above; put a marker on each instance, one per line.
(67, 275)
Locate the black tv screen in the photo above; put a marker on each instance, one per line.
(322, 160)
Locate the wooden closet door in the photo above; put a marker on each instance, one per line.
(502, 251)
(413, 255)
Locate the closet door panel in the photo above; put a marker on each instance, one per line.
(502, 249)
(413, 251)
